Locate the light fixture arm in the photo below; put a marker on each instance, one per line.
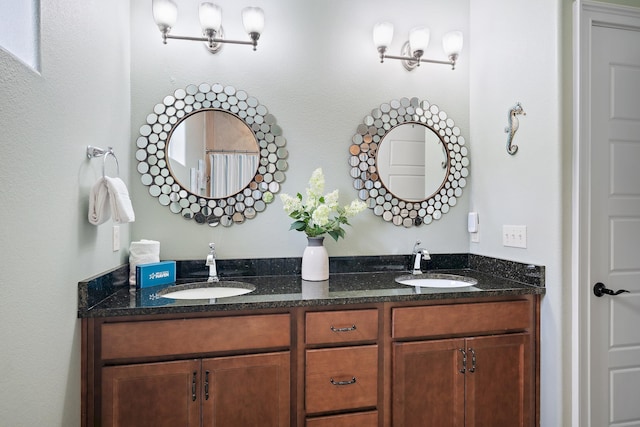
(213, 41)
(451, 61)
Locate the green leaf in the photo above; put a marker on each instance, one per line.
(298, 225)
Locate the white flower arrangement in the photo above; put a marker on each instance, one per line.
(320, 213)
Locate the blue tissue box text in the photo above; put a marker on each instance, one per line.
(154, 274)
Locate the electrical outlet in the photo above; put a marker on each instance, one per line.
(514, 236)
(115, 238)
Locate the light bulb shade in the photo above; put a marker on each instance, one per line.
(382, 34)
(419, 39)
(452, 43)
(210, 17)
(253, 20)
(165, 13)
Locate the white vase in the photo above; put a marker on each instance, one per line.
(315, 260)
(315, 289)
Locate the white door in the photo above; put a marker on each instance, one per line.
(412, 161)
(612, 143)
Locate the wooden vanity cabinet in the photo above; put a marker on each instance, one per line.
(483, 376)
(471, 362)
(160, 373)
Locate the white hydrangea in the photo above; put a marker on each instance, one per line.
(316, 184)
(331, 199)
(320, 216)
(354, 208)
(291, 204)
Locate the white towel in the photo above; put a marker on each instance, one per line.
(99, 206)
(121, 208)
(142, 252)
(109, 196)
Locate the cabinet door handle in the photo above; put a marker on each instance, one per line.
(193, 386)
(464, 361)
(206, 385)
(473, 360)
(349, 382)
(347, 329)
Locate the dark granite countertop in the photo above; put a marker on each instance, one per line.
(278, 284)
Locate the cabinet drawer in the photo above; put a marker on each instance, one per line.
(193, 336)
(364, 419)
(341, 326)
(464, 319)
(341, 378)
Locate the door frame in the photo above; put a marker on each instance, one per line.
(586, 14)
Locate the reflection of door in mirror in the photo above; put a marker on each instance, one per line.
(412, 162)
(213, 154)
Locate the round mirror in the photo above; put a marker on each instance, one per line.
(409, 162)
(412, 162)
(212, 153)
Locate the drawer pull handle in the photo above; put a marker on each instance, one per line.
(349, 382)
(347, 329)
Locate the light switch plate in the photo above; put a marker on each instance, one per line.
(514, 236)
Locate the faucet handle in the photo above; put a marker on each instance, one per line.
(415, 247)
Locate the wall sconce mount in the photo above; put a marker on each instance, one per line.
(413, 50)
(165, 14)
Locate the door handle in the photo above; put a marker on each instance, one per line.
(599, 289)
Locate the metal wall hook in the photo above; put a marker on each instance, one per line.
(512, 128)
(93, 152)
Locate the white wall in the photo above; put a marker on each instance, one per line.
(515, 57)
(317, 71)
(81, 97)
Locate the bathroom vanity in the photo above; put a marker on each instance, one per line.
(358, 350)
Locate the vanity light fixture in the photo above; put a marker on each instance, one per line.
(165, 14)
(413, 49)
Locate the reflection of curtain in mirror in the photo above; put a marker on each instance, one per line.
(231, 172)
(218, 175)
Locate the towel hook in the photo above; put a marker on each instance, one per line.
(93, 152)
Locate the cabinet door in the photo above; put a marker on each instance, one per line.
(251, 390)
(151, 395)
(427, 385)
(499, 381)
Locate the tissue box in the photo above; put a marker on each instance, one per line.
(156, 273)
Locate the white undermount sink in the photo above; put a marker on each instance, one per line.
(207, 290)
(437, 281)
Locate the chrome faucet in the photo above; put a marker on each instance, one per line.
(211, 263)
(419, 254)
